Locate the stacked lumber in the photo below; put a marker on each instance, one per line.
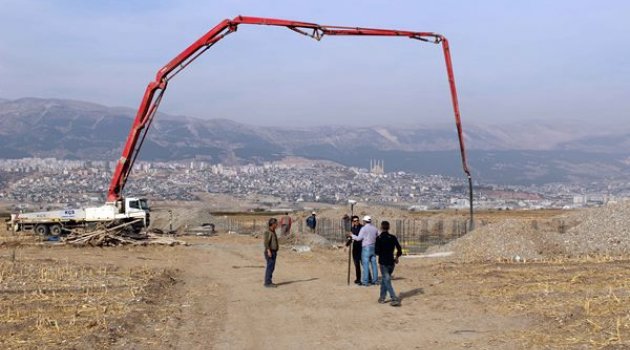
(118, 235)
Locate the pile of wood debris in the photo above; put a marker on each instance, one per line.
(118, 235)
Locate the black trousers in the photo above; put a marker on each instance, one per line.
(356, 257)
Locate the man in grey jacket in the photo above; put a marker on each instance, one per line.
(271, 251)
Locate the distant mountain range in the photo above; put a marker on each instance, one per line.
(517, 153)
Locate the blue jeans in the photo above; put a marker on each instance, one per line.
(386, 282)
(368, 260)
(271, 265)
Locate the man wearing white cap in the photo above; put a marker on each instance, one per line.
(311, 222)
(367, 236)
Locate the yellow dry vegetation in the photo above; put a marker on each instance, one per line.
(568, 303)
(50, 303)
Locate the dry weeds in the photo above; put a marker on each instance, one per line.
(570, 304)
(47, 303)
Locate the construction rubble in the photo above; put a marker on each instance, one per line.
(594, 232)
(118, 235)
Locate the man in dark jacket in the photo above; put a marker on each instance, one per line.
(384, 247)
(271, 251)
(356, 248)
(311, 222)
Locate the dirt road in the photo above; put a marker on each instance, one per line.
(314, 307)
(213, 298)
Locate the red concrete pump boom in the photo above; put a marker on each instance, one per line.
(155, 89)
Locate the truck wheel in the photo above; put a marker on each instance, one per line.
(41, 230)
(56, 230)
(137, 227)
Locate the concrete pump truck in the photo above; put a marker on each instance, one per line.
(119, 209)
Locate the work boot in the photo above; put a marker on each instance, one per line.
(381, 300)
(271, 285)
(396, 302)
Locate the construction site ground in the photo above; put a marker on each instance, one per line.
(209, 294)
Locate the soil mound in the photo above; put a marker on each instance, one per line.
(305, 239)
(600, 231)
(510, 239)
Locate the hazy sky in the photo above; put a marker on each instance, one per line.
(513, 60)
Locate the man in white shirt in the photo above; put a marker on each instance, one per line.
(367, 236)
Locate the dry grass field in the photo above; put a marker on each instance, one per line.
(209, 295)
(72, 298)
(565, 304)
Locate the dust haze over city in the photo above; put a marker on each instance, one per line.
(269, 123)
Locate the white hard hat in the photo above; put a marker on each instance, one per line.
(313, 213)
(367, 218)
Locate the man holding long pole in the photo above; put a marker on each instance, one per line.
(356, 250)
(352, 202)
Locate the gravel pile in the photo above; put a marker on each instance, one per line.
(600, 231)
(305, 239)
(183, 218)
(516, 240)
